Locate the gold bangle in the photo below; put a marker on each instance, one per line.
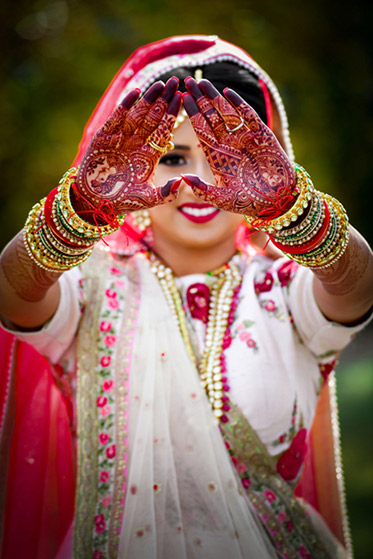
(76, 223)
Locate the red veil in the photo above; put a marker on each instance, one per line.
(37, 454)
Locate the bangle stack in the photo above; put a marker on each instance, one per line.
(55, 236)
(321, 233)
(321, 237)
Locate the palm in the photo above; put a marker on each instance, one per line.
(251, 169)
(119, 164)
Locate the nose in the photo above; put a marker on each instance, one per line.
(201, 168)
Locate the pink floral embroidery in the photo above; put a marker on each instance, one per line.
(110, 293)
(289, 526)
(104, 438)
(101, 401)
(107, 385)
(110, 340)
(119, 283)
(100, 523)
(115, 271)
(104, 476)
(105, 411)
(244, 336)
(106, 501)
(97, 554)
(264, 285)
(110, 452)
(113, 303)
(270, 496)
(133, 489)
(198, 299)
(282, 516)
(105, 361)
(140, 533)
(246, 482)
(270, 306)
(286, 272)
(105, 326)
(304, 553)
(291, 461)
(241, 468)
(251, 343)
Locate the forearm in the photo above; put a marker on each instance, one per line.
(29, 295)
(344, 290)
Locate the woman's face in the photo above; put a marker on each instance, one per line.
(189, 222)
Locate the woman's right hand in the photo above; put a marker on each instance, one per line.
(119, 164)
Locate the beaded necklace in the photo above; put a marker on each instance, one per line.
(223, 303)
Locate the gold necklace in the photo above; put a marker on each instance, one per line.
(223, 300)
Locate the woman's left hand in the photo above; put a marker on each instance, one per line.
(254, 176)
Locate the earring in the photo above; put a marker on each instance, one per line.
(141, 219)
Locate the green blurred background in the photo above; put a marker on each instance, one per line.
(59, 55)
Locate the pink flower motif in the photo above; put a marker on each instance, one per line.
(110, 340)
(105, 361)
(97, 554)
(286, 272)
(133, 489)
(245, 482)
(110, 293)
(107, 385)
(104, 476)
(100, 523)
(291, 461)
(106, 501)
(264, 285)
(282, 516)
(241, 327)
(105, 326)
(304, 553)
(115, 271)
(289, 526)
(244, 336)
(270, 496)
(251, 343)
(114, 303)
(119, 283)
(105, 411)
(110, 452)
(104, 438)
(241, 468)
(101, 401)
(198, 299)
(140, 533)
(270, 306)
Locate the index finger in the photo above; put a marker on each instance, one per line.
(201, 127)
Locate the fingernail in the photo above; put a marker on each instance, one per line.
(130, 98)
(193, 89)
(233, 96)
(208, 89)
(174, 106)
(154, 92)
(169, 90)
(190, 106)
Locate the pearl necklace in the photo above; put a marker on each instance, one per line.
(223, 302)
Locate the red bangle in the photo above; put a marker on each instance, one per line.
(313, 243)
(48, 209)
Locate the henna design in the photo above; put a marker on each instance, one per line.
(343, 277)
(119, 165)
(29, 281)
(249, 165)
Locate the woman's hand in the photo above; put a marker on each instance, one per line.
(119, 164)
(253, 174)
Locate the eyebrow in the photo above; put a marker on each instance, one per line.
(182, 146)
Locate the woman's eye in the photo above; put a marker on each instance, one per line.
(172, 159)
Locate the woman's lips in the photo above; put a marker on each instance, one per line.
(198, 213)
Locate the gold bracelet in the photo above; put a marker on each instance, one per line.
(71, 217)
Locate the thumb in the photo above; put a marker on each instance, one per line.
(205, 190)
(170, 190)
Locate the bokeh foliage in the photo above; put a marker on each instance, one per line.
(59, 55)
